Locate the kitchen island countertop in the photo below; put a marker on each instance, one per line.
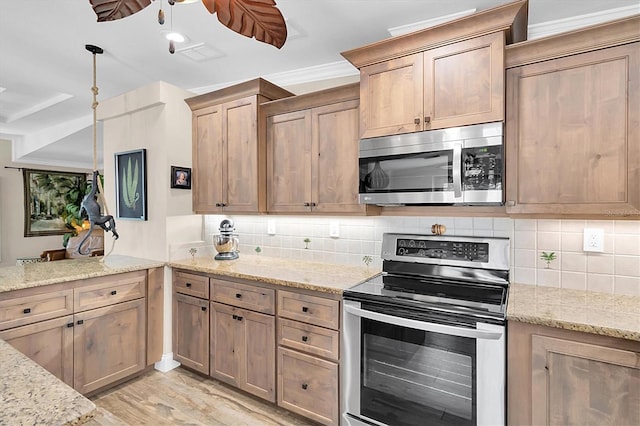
(45, 273)
(613, 315)
(316, 276)
(30, 395)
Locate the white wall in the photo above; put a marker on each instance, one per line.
(13, 243)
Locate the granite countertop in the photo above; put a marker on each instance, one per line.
(59, 271)
(30, 395)
(324, 277)
(606, 314)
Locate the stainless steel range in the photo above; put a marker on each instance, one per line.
(424, 343)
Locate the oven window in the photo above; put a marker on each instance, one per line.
(414, 377)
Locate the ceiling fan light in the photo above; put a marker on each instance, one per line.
(175, 36)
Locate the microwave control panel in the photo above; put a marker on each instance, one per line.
(450, 250)
(482, 168)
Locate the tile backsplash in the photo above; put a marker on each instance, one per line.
(616, 270)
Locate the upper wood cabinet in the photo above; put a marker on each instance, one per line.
(445, 76)
(312, 153)
(228, 156)
(454, 85)
(573, 125)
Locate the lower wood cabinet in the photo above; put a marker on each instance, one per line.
(108, 344)
(243, 349)
(109, 330)
(48, 343)
(561, 377)
(308, 386)
(191, 332)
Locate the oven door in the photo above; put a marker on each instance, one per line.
(404, 371)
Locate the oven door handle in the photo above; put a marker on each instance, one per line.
(420, 325)
(457, 166)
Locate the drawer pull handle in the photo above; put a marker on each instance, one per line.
(80, 322)
(188, 284)
(70, 325)
(114, 292)
(26, 311)
(305, 309)
(238, 295)
(305, 386)
(204, 308)
(305, 338)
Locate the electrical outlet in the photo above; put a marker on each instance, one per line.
(593, 239)
(271, 227)
(334, 228)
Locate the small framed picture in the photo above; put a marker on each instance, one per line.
(180, 177)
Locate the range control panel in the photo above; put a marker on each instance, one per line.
(442, 249)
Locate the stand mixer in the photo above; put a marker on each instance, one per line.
(225, 243)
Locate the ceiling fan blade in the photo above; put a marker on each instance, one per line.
(111, 10)
(253, 18)
(210, 5)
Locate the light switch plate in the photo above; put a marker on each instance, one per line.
(271, 227)
(334, 228)
(593, 239)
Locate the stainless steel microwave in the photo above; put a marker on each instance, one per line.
(461, 165)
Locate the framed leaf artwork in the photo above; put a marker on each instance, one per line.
(131, 184)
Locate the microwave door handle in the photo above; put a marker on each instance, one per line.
(425, 326)
(457, 166)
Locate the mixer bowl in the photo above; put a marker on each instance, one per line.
(226, 246)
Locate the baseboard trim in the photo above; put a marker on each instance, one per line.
(166, 363)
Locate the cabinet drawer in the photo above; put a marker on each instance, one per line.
(309, 338)
(33, 308)
(244, 296)
(110, 290)
(312, 309)
(191, 284)
(308, 386)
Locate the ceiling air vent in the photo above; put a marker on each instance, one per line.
(200, 52)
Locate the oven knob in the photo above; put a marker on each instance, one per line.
(402, 251)
(412, 243)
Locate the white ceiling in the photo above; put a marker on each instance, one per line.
(46, 73)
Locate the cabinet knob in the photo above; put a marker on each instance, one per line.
(223, 205)
(80, 322)
(511, 203)
(305, 386)
(239, 318)
(204, 308)
(307, 204)
(26, 311)
(114, 292)
(188, 284)
(305, 338)
(427, 120)
(234, 316)
(416, 120)
(313, 204)
(70, 325)
(238, 295)
(219, 204)
(305, 309)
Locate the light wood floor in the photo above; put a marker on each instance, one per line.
(180, 397)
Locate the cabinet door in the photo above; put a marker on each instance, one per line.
(207, 160)
(258, 369)
(289, 162)
(191, 332)
(225, 332)
(391, 97)
(240, 155)
(109, 344)
(464, 82)
(48, 343)
(572, 135)
(583, 384)
(334, 165)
